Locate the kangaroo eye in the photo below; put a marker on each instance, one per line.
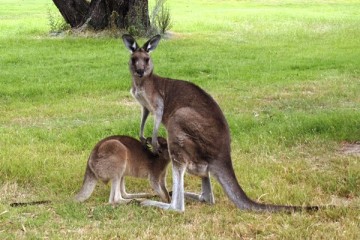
(147, 60)
(133, 61)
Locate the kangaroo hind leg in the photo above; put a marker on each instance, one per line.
(115, 193)
(177, 200)
(206, 192)
(126, 195)
(178, 156)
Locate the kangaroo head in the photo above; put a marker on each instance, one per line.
(162, 149)
(140, 61)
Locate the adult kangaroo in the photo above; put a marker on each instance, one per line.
(198, 133)
(115, 157)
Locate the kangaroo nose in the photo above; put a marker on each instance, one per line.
(140, 72)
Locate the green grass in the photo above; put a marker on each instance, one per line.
(285, 73)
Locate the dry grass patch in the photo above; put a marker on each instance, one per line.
(350, 148)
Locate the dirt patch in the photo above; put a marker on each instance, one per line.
(351, 148)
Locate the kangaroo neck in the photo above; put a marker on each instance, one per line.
(139, 81)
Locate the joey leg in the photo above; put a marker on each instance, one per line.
(177, 201)
(158, 184)
(130, 196)
(115, 194)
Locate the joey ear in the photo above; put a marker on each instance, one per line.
(130, 42)
(162, 142)
(152, 43)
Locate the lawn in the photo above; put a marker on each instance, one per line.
(285, 73)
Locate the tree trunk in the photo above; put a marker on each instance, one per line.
(73, 11)
(138, 14)
(98, 13)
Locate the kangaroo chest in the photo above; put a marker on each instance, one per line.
(140, 95)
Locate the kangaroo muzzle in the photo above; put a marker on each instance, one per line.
(140, 72)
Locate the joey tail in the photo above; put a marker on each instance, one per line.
(88, 186)
(227, 179)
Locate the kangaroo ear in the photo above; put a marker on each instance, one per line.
(130, 42)
(152, 43)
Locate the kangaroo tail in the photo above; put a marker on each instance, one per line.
(88, 186)
(227, 179)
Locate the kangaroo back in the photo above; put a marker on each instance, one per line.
(109, 160)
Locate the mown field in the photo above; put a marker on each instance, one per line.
(285, 73)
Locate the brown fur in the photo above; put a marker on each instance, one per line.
(115, 157)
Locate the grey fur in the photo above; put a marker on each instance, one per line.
(198, 134)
